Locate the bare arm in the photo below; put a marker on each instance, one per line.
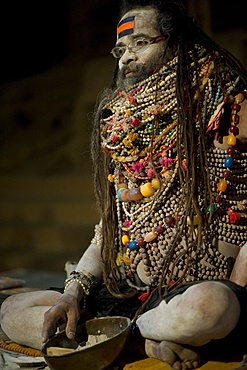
(67, 309)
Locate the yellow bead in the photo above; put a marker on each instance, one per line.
(222, 185)
(231, 140)
(195, 220)
(155, 183)
(147, 190)
(125, 239)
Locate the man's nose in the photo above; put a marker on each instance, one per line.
(128, 56)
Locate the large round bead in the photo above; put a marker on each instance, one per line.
(147, 190)
(120, 194)
(133, 245)
(134, 195)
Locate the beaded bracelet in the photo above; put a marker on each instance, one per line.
(84, 278)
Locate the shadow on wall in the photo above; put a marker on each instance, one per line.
(47, 205)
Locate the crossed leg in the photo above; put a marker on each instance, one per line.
(22, 316)
(204, 312)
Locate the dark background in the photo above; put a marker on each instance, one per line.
(37, 34)
(54, 62)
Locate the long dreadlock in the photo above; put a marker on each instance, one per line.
(182, 34)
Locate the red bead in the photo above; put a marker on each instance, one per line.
(141, 242)
(236, 107)
(160, 229)
(170, 221)
(231, 150)
(218, 199)
(115, 138)
(234, 130)
(136, 122)
(226, 174)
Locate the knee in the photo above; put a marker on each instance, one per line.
(7, 306)
(211, 303)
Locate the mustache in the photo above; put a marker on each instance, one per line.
(132, 67)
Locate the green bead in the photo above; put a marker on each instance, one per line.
(213, 207)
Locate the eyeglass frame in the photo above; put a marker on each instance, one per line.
(151, 41)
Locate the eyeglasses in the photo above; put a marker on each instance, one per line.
(139, 45)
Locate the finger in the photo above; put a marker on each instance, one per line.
(48, 332)
(71, 325)
(49, 326)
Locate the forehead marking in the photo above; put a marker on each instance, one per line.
(126, 26)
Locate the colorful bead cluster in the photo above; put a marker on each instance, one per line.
(139, 131)
(231, 141)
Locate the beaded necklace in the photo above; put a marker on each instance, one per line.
(139, 131)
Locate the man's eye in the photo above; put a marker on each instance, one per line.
(121, 51)
(141, 42)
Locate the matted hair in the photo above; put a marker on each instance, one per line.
(182, 33)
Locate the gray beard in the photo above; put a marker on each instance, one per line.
(141, 73)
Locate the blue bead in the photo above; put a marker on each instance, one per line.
(133, 245)
(119, 193)
(228, 162)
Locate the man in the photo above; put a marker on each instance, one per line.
(169, 154)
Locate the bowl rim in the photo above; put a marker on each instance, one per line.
(44, 348)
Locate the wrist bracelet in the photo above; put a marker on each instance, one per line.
(84, 278)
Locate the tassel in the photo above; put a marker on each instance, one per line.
(143, 297)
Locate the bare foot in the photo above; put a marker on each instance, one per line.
(179, 357)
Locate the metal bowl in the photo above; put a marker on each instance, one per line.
(95, 357)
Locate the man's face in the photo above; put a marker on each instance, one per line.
(134, 28)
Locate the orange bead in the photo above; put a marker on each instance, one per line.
(222, 185)
(231, 140)
(239, 98)
(150, 236)
(122, 185)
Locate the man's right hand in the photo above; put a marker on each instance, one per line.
(65, 312)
